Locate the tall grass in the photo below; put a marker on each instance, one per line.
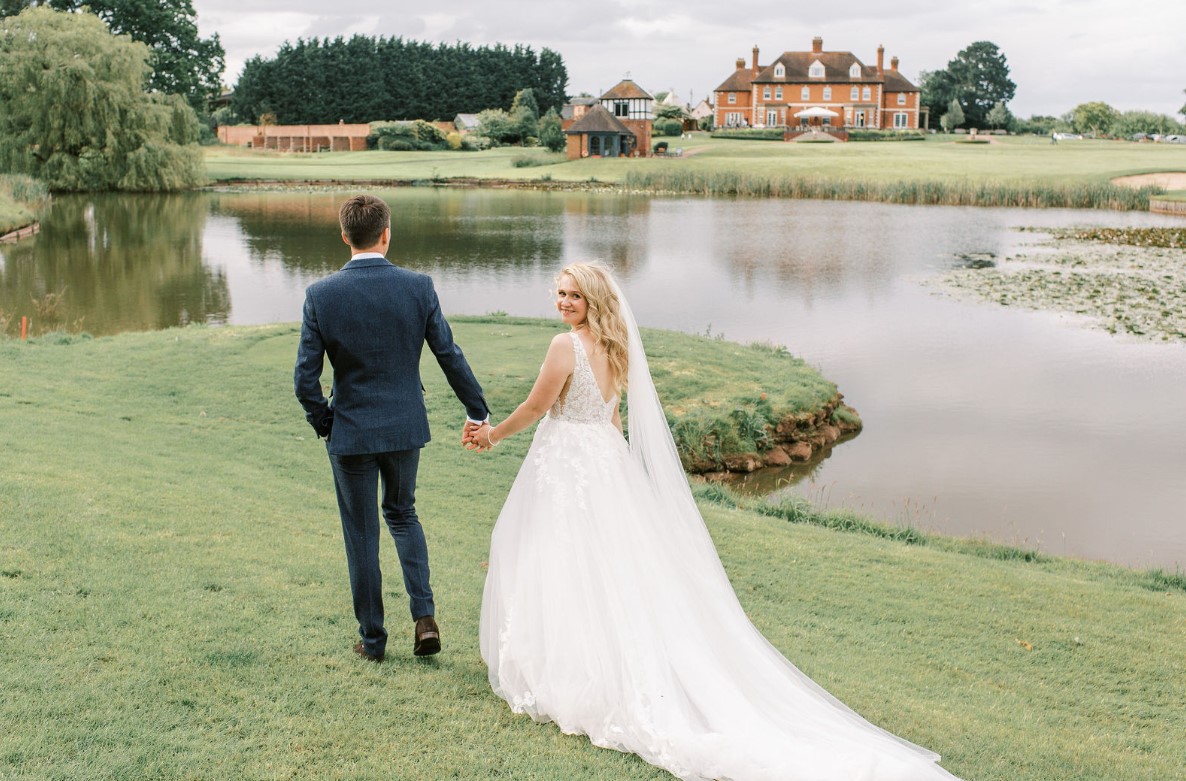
(1072, 195)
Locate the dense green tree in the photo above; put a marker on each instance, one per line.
(1038, 125)
(954, 116)
(551, 131)
(978, 78)
(1095, 118)
(498, 126)
(180, 61)
(317, 81)
(999, 116)
(1132, 122)
(73, 111)
(525, 115)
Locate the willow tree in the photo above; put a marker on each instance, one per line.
(74, 114)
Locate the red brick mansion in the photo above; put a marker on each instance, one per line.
(818, 89)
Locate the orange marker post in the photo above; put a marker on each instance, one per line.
(24, 328)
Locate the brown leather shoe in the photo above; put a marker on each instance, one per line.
(361, 650)
(428, 637)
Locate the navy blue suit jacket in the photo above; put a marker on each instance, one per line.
(372, 320)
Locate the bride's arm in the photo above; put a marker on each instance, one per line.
(557, 368)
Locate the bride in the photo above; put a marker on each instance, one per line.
(606, 608)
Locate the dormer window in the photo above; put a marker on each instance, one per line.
(855, 71)
(779, 71)
(817, 70)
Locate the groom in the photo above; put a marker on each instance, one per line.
(372, 319)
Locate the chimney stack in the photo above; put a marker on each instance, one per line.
(755, 59)
(880, 60)
(817, 45)
(740, 63)
(893, 63)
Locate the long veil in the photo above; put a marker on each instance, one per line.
(686, 540)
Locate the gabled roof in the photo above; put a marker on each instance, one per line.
(627, 90)
(567, 112)
(598, 120)
(836, 68)
(738, 81)
(896, 82)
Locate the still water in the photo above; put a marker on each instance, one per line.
(1022, 427)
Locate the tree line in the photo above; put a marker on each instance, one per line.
(364, 79)
(974, 90)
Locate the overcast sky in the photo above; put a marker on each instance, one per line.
(1130, 54)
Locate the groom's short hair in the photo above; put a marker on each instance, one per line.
(363, 219)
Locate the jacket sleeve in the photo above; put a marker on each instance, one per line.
(452, 361)
(307, 375)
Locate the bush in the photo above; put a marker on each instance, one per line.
(414, 136)
(669, 127)
(751, 134)
(885, 135)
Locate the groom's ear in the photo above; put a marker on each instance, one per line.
(346, 240)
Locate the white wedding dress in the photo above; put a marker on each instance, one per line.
(607, 611)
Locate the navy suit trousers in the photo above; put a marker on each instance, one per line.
(356, 480)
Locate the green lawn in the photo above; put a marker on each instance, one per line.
(1009, 160)
(174, 602)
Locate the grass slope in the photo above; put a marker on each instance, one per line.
(174, 602)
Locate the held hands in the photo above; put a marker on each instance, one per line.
(476, 436)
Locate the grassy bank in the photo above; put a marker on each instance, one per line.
(174, 604)
(1007, 172)
(20, 199)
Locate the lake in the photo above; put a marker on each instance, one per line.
(1022, 427)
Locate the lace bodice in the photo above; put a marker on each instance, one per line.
(583, 403)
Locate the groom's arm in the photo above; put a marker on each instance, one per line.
(307, 374)
(439, 337)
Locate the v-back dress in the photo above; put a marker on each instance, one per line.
(596, 618)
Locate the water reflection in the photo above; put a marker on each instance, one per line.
(119, 262)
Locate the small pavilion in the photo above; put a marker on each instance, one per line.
(599, 133)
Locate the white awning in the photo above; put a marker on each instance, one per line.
(816, 111)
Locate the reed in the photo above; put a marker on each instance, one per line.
(1045, 194)
(21, 198)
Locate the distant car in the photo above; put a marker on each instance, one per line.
(1139, 137)
(1174, 139)
(1068, 137)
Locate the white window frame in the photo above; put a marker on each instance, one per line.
(771, 118)
(901, 98)
(732, 97)
(901, 120)
(779, 71)
(805, 93)
(855, 71)
(816, 71)
(866, 94)
(765, 93)
(778, 93)
(856, 94)
(827, 93)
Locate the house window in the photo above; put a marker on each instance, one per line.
(901, 98)
(594, 145)
(778, 93)
(779, 71)
(766, 93)
(860, 119)
(856, 94)
(805, 93)
(817, 70)
(732, 97)
(621, 109)
(867, 94)
(901, 120)
(827, 93)
(771, 118)
(855, 71)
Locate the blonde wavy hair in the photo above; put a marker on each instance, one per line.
(604, 315)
